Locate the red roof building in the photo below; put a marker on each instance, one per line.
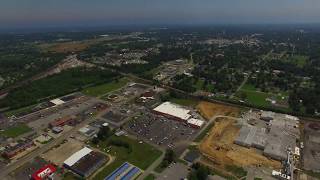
(44, 172)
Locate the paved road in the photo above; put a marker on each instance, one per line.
(13, 166)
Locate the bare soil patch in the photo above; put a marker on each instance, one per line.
(218, 146)
(209, 110)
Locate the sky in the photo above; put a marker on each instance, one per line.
(47, 13)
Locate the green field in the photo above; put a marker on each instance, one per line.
(237, 171)
(256, 98)
(299, 60)
(142, 155)
(16, 131)
(71, 176)
(150, 177)
(248, 87)
(105, 88)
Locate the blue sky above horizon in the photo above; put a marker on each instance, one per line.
(29, 13)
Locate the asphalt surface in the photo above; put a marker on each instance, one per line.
(13, 166)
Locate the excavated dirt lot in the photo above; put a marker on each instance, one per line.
(209, 110)
(218, 146)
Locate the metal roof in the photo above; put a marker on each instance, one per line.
(173, 110)
(77, 156)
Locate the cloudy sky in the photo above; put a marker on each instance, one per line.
(28, 13)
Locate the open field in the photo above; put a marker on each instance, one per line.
(300, 61)
(65, 47)
(256, 98)
(218, 146)
(150, 177)
(15, 131)
(59, 154)
(105, 88)
(141, 155)
(208, 110)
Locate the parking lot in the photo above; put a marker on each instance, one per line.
(26, 170)
(161, 131)
(82, 109)
(174, 171)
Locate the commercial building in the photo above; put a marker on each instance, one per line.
(44, 172)
(195, 123)
(172, 111)
(14, 149)
(279, 135)
(62, 121)
(89, 131)
(85, 162)
(57, 102)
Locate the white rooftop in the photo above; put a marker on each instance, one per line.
(84, 129)
(173, 110)
(196, 122)
(57, 101)
(77, 156)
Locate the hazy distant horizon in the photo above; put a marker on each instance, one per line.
(72, 13)
(137, 27)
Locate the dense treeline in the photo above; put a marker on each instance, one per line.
(60, 84)
(21, 62)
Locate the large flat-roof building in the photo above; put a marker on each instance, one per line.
(85, 161)
(125, 172)
(274, 140)
(173, 111)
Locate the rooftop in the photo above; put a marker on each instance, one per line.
(77, 156)
(173, 110)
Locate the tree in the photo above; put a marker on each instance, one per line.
(104, 133)
(199, 172)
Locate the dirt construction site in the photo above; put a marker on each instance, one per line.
(219, 148)
(208, 110)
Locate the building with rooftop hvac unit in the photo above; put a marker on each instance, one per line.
(85, 162)
(172, 111)
(45, 172)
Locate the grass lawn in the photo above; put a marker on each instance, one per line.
(141, 155)
(16, 130)
(299, 60)
(150, 177)
(237, 171)
(257, 98)
(184, 102)
(105, 88)
(248, 87)
(71, 176)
